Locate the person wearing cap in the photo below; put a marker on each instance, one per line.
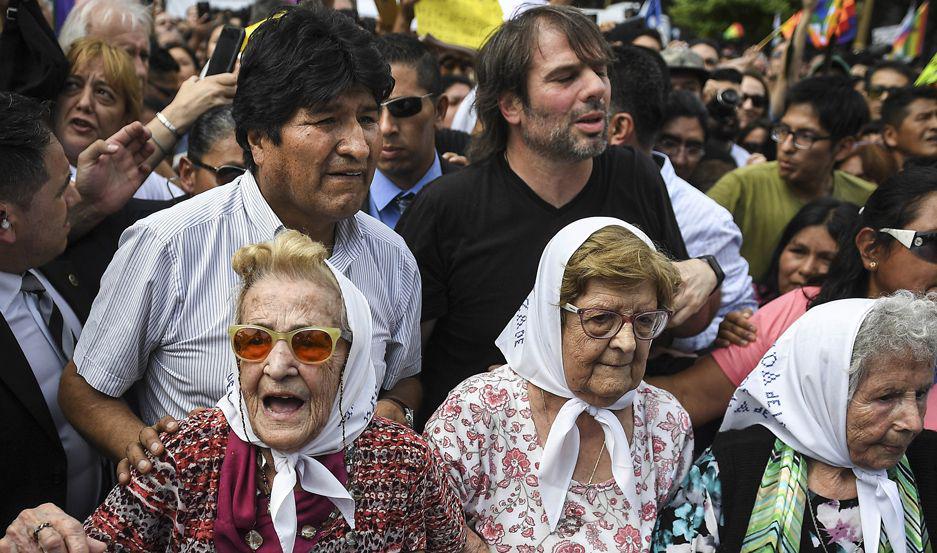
(687, 70)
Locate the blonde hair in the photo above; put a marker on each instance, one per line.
(118, 71)
(615, 255)
(292, 256)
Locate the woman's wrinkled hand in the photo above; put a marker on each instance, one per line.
(60, 534)
(736, 329)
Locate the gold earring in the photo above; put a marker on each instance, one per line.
(873, 265)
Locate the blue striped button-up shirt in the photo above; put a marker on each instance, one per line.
(168, 297)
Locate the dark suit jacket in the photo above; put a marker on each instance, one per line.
(33, 466)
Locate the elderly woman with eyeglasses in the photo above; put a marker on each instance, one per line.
(565, 448)
(292, 458)
(820, 448)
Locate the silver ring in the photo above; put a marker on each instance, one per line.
(40, 528)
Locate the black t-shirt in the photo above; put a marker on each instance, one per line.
(478, 234)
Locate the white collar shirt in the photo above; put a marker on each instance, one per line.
(708, 229)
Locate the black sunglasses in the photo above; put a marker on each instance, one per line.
(758, 100)
(921, 244)
(223, 174)
(406, 106)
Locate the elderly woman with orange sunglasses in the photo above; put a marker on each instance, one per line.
(292, 458)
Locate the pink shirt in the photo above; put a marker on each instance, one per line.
(771, 321)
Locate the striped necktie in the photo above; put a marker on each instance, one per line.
(62, 338)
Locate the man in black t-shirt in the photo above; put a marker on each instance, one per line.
(542, 163)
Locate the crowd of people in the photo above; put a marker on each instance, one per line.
(581, 290)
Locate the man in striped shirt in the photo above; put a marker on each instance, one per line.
(306, 114)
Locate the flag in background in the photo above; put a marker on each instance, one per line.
(651, 12)
(832, 18)
(910, 42)
(735, 31)
(790, 25)
(60, 9)
(775, 24)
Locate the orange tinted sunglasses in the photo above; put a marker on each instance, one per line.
(310, 344)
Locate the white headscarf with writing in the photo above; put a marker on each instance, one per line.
(532, 345)
(799, 391)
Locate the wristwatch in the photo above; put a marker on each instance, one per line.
(407, 411)
(714, 265)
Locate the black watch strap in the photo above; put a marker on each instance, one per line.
(407, 410)
(714, 265)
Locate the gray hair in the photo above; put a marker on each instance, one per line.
(131, 14)
(213, 125)
(902, 325)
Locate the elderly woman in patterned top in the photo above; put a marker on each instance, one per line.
(292, 458)
(818, 450)
(565, 449)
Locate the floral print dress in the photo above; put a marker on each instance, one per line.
(691, 522)
(487, 439)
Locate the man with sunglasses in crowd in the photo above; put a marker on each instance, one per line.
(909, 123)
(408, 159)
(213, 157)
(882, 79)
(821, 119)
(307, 119)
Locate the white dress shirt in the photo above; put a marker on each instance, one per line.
(708, 229)
(168, 296)
(155, 187)
(46, 362)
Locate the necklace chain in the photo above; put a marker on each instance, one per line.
(543, 403)
(816, 527)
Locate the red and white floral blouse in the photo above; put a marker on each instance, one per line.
(403, 502)
(486, 437)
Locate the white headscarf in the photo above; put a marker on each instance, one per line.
(799, 392)
(532, 345)
(361, 382)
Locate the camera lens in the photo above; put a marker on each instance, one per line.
(728, 97)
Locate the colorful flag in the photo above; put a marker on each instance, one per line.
(790, 25)
(735, 31)
(832, 18)
(775, 24)
(910, 42)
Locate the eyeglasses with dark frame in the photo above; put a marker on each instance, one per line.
(603, 323)
(672, 146)
(803, 139)
(223, 173)
(406, 106)
(921, 244)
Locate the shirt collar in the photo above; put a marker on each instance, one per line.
(10, 284)
(667, 172)
(258, 210)
(383, 190)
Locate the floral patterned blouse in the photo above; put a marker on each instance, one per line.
(486, 436)
(403, 502)
(691, 522)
